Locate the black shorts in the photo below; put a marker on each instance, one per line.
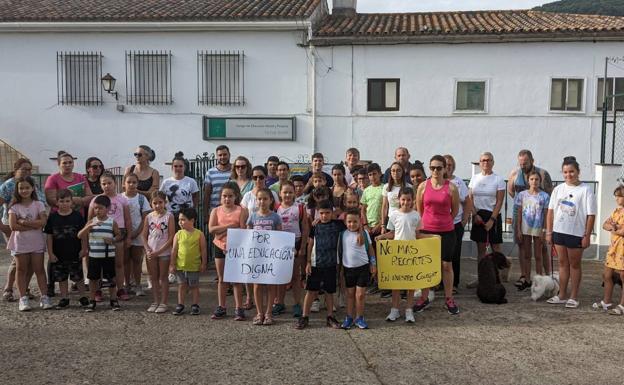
(62, 270)
(567, 240)
(322, 278)
(494, 236)
(101, 268)
(219, 254)
(447, 241)
(357, 276)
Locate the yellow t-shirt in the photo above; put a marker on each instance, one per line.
(189, 254)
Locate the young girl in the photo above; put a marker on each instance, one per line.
(158, 233)
(403, 225)
(317, 195)
(120, 213)
(229, 215)
(294, 220)
(390, 193)
(340, 187)
(264, 219)
(614, 262)
(352, 202)
(138, 207)
(531, 206)
(188, 259)
(27, 216)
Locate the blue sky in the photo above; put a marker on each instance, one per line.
(443, 5)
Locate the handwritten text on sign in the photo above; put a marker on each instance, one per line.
(409, 265)
(259, 256)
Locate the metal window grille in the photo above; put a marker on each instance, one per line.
(148, 77)
(221, 78)
(78, 76)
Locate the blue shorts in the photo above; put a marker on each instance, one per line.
(567, 240)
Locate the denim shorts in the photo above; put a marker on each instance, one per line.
(190, 278)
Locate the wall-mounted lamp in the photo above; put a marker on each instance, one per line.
(108, 83)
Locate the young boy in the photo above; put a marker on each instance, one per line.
(65, 249)
(358, 261)
(102, 233)
(372, 199)
(299, 183)
(318, 161)
(282, 176)
(361, 178)
(271, 166)
(321, 266)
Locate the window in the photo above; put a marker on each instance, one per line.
(78, 76)
(566, 94)
(148, 77)
(615, 86)
(221, 78)
(470, 96)
(383, 94)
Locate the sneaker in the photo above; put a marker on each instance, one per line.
(451, 306)
(316, 306)
(302, 323)
(278, 308)
(7, 295)
(123, 294)
(332, 322)
(195, 309)
(219, 313)
(139, 291)
(84, 301)
(421, 305)
(347, 323)
(394, 315)
(386, 293)
(98, 296)
(46, 303)
(23, 304)
(63, 303)
(90, 307)
(114, 304)
(152, 308)
(86, 282)
(297, 311)
(171, 278)
(179, 309)
(239, 314)
(360, 323)
(409, 316)
(162, 308)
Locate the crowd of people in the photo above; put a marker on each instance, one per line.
(98, 238)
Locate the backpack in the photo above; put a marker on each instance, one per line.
(366, 245)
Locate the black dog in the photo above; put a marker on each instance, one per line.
(490, 289)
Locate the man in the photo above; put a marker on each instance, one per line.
(402, 156)
(271, 166)
(215, 179)
(318, 161)
(352, 159)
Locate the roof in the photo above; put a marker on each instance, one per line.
(154, 10)
(473, 25)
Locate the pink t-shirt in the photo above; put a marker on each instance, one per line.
(115, 211)
(225, 219)
(76, 185)
(158, 232)
(29, 241)
(290, 219)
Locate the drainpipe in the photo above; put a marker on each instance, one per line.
(313, 56)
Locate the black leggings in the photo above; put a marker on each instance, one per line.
(459, 236)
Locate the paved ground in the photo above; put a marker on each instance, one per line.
(519, 343)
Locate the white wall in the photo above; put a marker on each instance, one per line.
(276, 84)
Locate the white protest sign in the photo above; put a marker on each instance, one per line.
(259, 256)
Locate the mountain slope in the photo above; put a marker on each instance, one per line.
(598, 7)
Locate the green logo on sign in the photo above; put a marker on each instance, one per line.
(216, 128)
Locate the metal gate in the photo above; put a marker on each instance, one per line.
(612, 141)
(196, 169)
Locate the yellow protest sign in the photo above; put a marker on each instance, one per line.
(409, 265)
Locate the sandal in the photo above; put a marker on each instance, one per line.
(572, 304)
(521, 281)
(618, 310)
(258, 320)
(248, 305)
(525, 285)
(556, 300)
(601, 306)
(268, 320)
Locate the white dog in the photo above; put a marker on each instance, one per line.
(544, 286)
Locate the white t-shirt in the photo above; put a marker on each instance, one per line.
(404, 225)
(249, 201)
(393, 197)
(179, 193)
(463, 194)
(354, 255)
(571, 205)
(137, 206)
(484, 189)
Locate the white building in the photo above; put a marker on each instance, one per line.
(458, 83)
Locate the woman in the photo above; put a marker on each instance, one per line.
(259, 176)
(21, 168)
(181, 191)
(390, 193)
(66, 178)
(241, 174)
(486, 191)
(148, 176)
(460, 220)
(94, 168)
(569, 224)
(437, 200)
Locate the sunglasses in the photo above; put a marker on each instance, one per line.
(138, 154)
(436, 168)
(240, 166)
(485, 160)
(258, 177)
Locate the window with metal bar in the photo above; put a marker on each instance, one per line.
(148, 77)
(221, 78)
(78, 77)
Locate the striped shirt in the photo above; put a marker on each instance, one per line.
(216, 178)
(97, 247)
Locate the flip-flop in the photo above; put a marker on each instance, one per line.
(572, 304)
(556, 300)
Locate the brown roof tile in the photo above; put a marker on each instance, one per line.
(153, 10)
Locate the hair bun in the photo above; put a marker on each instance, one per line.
(61, 153)
(569, 159)
(179, 154)
(151, 155)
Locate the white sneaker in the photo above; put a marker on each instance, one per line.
(23, 304)
(418, 294)
(394, 315)
(45, 303)
(409, 316)
(172, 278)
(86, 282)
(316, 306)
(139, 291)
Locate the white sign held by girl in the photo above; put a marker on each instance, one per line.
(259, 256)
